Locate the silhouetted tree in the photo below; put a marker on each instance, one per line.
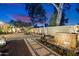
(19, 23)
(63, 20)
(36, 11)
(53, 18)
(77, 8)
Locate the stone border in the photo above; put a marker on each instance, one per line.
(31, 50)
(49, 49)
(52, 53)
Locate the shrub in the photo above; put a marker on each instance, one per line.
(71, 53)
(1, 31)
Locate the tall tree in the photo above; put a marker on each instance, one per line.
(36, 11)
(53, 18)
(59, 13)
(77, 7)
(58, 7)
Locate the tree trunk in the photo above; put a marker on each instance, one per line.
(59, 13)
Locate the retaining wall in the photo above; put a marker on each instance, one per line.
(53, 30)
(63, 35)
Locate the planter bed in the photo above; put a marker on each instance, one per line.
(60, 50)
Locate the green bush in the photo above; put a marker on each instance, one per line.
(70, 53)
(1, 32)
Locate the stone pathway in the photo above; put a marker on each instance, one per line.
(38, 49)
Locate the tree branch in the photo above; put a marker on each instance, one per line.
(57, 8)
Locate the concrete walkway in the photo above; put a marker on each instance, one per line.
(38, 49)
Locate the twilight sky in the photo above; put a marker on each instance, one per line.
(6, 10)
